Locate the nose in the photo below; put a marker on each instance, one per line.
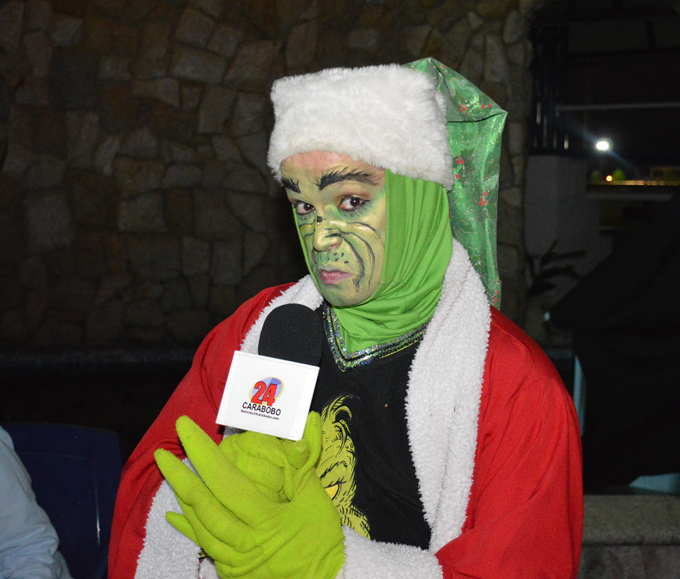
(326, 235)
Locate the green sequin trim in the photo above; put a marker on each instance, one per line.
(347, 360)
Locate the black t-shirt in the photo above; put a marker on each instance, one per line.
(366, 464)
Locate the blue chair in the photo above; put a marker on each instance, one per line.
(75, 472)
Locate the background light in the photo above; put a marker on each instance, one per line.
(603, 145)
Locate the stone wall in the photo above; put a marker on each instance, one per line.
(136, 207)
(631, 537)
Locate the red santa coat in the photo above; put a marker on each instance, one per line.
(493, 433)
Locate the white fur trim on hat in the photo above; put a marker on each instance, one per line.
(387, 116)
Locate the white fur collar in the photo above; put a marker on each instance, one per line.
(442, 403)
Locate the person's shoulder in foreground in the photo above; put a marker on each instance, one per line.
(28, 542)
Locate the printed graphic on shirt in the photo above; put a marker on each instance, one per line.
(338, 460)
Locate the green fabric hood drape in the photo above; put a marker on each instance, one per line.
(417, 253)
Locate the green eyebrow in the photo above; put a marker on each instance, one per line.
(338, 175)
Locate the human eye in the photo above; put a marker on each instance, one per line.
(351, 203)
(302, 208)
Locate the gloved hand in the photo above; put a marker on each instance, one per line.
(239, 525)
(269, 461)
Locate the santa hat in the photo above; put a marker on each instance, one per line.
(388, 116)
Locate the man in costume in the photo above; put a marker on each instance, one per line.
(442, 442)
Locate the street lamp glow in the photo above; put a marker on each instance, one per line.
(603, 145)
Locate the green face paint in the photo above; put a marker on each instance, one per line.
(340, 210)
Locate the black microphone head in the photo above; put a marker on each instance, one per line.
(292, 332)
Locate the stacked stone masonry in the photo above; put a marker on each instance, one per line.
(631, 537)
(136, 207)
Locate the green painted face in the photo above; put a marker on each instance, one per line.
(341, 212)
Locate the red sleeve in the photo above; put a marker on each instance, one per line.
(198, 396)
(525, 515)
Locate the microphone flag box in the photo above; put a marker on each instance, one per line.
(267, 395)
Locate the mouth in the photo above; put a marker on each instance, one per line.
(330, 277)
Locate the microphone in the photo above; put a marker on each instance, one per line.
(292, 332)
(271, 392)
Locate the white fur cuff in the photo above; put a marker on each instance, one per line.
(387, 116)
(366, 559)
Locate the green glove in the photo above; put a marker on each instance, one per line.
(238, 525)
(268, 461)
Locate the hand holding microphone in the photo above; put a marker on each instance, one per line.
(260, 510)
(244, 531)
